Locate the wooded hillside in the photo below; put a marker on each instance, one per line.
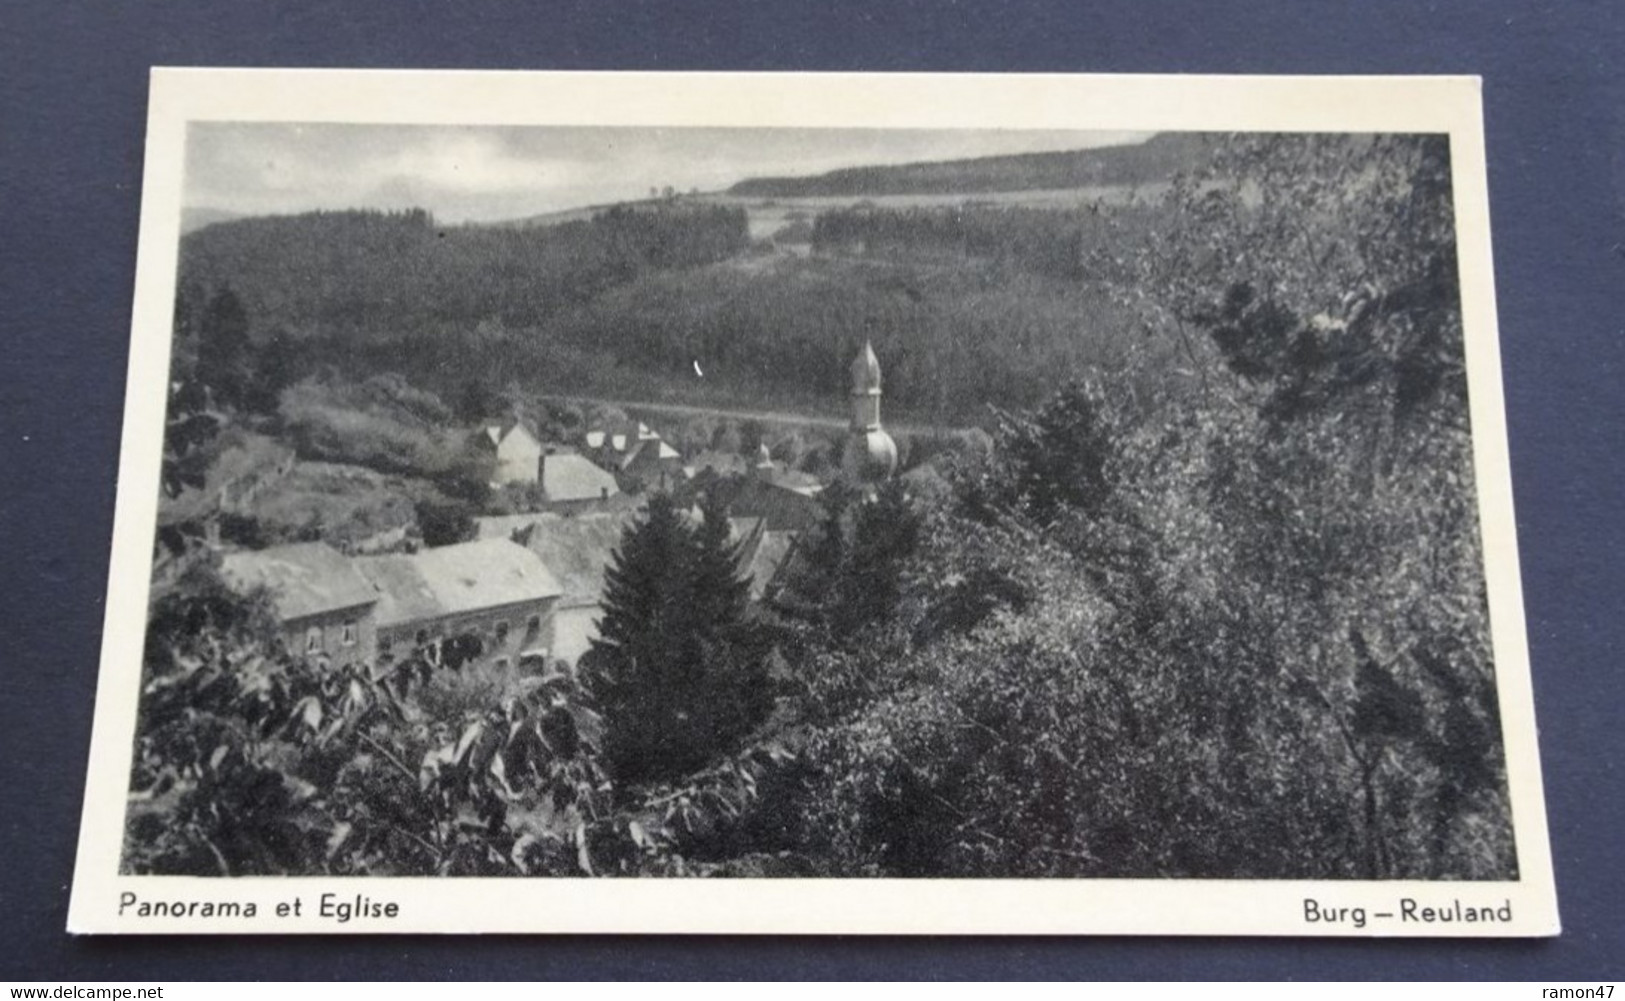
(1156, 160)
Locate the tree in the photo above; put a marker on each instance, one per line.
(728, 438)
(1242, 627)
(224, 350)
(869, 584)
(278, 363)
(676, 669)
(476, 401)
(1324, 475)
(445, 522)
(720, 592)
(1057, 458)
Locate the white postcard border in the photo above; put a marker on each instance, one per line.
(1293, 104)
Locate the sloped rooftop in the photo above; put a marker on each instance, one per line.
(721, 463)
(570, 477)
(305, 579)
(649, 450)
(578, 550)
(449, 580)
(403, 594)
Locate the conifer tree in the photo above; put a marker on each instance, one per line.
(885, 532)
(676, 669)
(721, 592)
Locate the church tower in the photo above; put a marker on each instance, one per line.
(870, 455)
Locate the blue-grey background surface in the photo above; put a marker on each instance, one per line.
(72, 108)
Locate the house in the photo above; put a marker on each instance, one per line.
(619, 439)
(374, 609)
(653, 464)
(785, 500)
(571, 483)
(517, 451)
(578, 550)
(715, 463)
(493, 591)
(637, 453)
(324, 606)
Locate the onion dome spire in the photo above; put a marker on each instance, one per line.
(866, 371)
(871, 455)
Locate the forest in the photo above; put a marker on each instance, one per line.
(971, 305)
(369, 274)
(1134, 164)
(1212, 605)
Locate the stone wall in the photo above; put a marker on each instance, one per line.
(343, 637)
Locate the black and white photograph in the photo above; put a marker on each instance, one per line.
(882, 505)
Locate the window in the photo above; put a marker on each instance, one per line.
(349, 634)
(313, 639)
(533, 628)
(502, 663)
(423, 637)
(502, 631)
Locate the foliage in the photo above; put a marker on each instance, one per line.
(1055, 460)
(1213, 607)
(350, 508)
(252, 761)
(1134, 164)
(190, 427)
(954, 332)
(677, 670)
(1046, 242)
(1233, 632)
(386, 424)
(400, 270)
(867, 584)
(445, 523)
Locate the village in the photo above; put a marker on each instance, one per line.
(525, 591)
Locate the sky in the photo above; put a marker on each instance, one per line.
(490, 173)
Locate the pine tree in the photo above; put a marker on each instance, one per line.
(677, 670)
(735, 689)
(1058, 458)
(645, 586)
(885, 532)
(721, 592)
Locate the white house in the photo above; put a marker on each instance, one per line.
(518, 453)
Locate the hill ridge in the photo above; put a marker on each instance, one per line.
(1154, 160)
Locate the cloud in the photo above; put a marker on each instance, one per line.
(474, 164)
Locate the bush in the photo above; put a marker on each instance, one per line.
(252, 762)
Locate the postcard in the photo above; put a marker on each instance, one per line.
(813, 503)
